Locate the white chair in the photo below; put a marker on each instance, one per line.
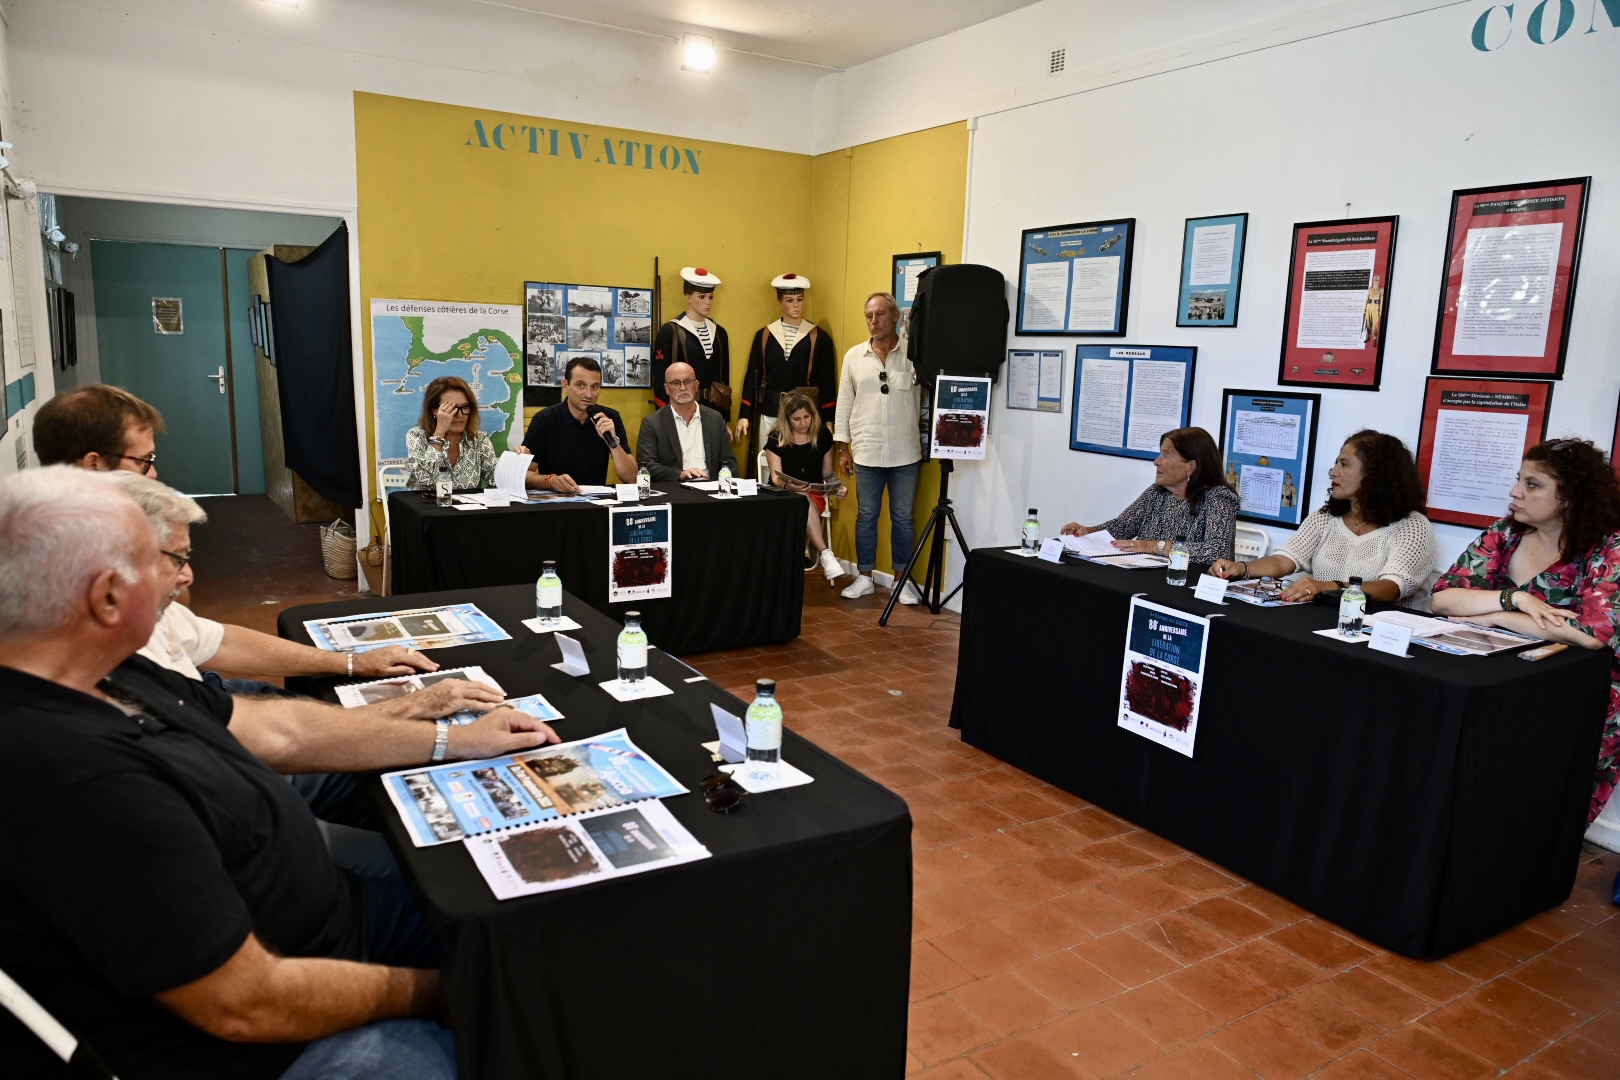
(1252, 543)
(389, 478)
(82, 1061)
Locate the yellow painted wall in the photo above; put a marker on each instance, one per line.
(448, 211)
(870, 203)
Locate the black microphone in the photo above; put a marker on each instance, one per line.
(593, 411)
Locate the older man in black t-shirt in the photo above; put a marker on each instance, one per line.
(163, 892)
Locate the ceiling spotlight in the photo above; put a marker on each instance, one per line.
(283, 3)
(697, 53)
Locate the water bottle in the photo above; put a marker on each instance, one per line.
(443, 486)
(644, 482)
(725, 479)
(548, 596)
(1177, 572)
(764, 733)
(1032, 533)
(1352, 608)
(632, 652)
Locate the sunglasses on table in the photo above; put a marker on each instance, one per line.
(721, 793)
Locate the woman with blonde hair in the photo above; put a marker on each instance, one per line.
(799, 451)
(449, 422)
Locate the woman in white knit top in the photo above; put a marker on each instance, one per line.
(1371, 527)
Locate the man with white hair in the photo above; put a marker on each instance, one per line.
(162, 892)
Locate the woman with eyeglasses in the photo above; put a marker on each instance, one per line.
(1551, 569)
(1372, 527)
(449, 420)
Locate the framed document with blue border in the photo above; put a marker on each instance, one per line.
(1076, 279)
(1268, 449)
(1211, 270)
(1127, 396)
(907, 269)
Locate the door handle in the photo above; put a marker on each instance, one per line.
(220, 377)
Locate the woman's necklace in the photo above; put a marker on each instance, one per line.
(1355, 524)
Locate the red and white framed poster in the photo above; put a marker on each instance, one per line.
(1509, 287)
(1474, 435)
(1338, 285)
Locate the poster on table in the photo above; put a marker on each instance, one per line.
(1337, 310)
(907, 269)
(960, 428)
(641, 559)
(414, 342)
(1268, 452)
(1076, 279)
(1211, 270)
(1508, 286)
(1035, 379)
(610, 324)
(1127, 396)
(1163, 680)
(1474, 436)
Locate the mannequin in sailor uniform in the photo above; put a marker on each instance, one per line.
(695, 339)
(789, 353)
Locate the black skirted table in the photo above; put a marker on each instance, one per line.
(738, 563)
(1425, 803)
(786, 954)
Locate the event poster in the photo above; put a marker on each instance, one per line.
(1268, 450)
(455, 800)
(961, 417)
(1163, 680)
(1127, 396)
(1076, 279)
(1035, 380)
(610, 324)
(1508, 290)
(907, 269)
(1337, 311)
(1473, 438)
(1211, 270)
(640, 556)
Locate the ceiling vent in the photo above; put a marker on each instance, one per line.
(1055, 61)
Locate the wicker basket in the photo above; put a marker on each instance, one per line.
(337, 551)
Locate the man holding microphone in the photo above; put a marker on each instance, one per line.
(572, 440)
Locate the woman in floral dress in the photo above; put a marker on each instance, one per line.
(1551, 568)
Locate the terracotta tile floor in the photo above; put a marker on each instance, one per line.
(1052, 939)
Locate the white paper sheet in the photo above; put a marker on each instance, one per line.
(1046, 294)
(1266, 434)
(1260, 490)
(1504, 307)
(1212, 249)
(1092, 544)
(1094, 296)
(1023, 379)
(1051, 376)
(1103, 385)
(1476, 460)
(1331, 316)
(787, 776)
(510, 470)
(1156, 393)
(733, 742)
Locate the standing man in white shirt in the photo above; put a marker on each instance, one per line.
(876, 433)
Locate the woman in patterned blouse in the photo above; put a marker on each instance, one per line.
(1372, 527)
(450, 413)
(1189, 498)
(1551, 569)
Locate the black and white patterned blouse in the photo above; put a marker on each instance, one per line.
(474, 467)
(1159, 515)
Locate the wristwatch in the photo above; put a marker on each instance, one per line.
(441, 740)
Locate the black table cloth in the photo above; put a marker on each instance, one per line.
(738, 574)
(786, 954)
(1425, 803)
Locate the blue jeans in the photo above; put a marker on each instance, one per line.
(901, 480)
(388, 1050)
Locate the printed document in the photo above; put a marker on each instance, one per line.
(1103, 389)
(1505, 305)
(1094, 298)
(1157, 389)
(1476, 460)
(1266, 434)
(1046, 293)
(1212, 249)
(1333, 303)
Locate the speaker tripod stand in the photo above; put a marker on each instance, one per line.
(934, 575)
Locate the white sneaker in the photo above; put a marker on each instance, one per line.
(861, 586)
(909, 594)
(831, 566)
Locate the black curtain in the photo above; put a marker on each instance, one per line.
(309, 314)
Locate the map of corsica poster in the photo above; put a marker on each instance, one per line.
(414, 342)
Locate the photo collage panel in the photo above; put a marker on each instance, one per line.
(611, 325)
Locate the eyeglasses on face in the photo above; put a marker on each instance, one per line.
(145, 463)
(681, 382)
(180, 561)
(459, 410)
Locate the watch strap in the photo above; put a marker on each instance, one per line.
(441, 740)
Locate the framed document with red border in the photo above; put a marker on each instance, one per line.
(1474, 435)
(1338, 285)
(1509, 285)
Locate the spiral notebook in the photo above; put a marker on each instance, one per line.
(457, 800)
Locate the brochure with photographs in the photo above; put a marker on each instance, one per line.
(422, 628)
(1455, 637)
(355, 695)
(1261, 592)
(459, 799)
(593, 846)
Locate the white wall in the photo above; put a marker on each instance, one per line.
(1389, 118)
(242, 103)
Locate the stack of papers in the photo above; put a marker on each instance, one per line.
(1456, 637)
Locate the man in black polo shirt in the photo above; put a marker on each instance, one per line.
(163, 893)
(572, 440)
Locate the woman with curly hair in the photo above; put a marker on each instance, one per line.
(1372, 527)
(1551, 569)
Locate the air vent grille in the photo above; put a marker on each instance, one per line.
(1055, 61)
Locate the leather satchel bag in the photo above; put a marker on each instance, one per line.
(717, 394)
